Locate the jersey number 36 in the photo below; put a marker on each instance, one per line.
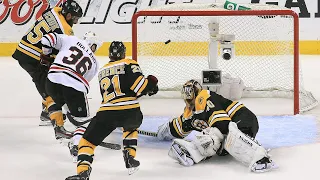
(83, 65)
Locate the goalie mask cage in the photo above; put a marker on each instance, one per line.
(172, 43)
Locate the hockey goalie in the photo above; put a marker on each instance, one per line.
(225, 126)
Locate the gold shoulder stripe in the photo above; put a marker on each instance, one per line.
(201, 100)
(129, 61)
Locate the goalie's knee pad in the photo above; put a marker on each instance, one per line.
(186, 153)
(242, 147)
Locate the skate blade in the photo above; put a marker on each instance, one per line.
(270, 167)
(74, 159)
(63, 141)
(45, 122)
(132, 170)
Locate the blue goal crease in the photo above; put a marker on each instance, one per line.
(274, 131)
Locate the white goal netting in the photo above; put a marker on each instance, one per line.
(176, 49)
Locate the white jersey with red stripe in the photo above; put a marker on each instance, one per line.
(75, 65)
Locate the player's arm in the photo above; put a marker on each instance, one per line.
(212, 113)
(49, 42)
(139, 84)
(175, 128)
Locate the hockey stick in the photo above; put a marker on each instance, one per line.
(110, 145)
(148, 133)
(103, 144)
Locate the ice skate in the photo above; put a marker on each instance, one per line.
(61, 132)
(82, 176)
(44, 117)
(131, 164)
(73, 151)
(263, 165)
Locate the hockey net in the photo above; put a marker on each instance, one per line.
(172, 42)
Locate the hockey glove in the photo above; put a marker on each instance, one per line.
(153, 85)
(46, 60)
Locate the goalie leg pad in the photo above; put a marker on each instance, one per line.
(247, 150)
(209, 141)
(186, 153)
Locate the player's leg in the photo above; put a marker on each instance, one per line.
(78, 114)
(247, 123)
(54, 105)
(132, 120)
(247, 150)
(99, 128)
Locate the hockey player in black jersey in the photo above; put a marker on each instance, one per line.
(121, 83)
(227, 127)
(60, 21)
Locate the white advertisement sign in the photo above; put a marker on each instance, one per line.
(111, 19)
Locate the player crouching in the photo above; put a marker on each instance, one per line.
(227, 127)
(68, 80)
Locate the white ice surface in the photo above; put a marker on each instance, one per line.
(30, 152)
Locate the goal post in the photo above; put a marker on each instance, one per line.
(266, 36)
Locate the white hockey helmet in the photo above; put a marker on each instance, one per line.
(92, 40)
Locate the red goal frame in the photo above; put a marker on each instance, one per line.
(230, 13)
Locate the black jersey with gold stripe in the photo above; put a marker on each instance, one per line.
(210, 110)
(120, 84)
(30, 46)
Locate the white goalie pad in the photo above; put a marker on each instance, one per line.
(186, 153)
(231, 88)
(242, 147)
(209, 141)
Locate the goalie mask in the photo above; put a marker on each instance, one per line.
(190, 91)
(92, 40)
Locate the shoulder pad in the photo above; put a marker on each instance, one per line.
(201, 100)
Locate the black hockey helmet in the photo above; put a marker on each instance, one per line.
(190, 91)
(117, 50)
(72, 7)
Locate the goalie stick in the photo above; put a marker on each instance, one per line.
(148, 133)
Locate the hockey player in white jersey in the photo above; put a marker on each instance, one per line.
(68, 78)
